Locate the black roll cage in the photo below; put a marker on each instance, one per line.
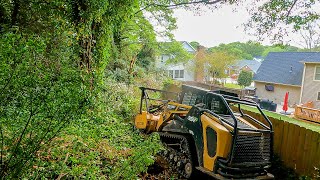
(232, 99)
(145, 96)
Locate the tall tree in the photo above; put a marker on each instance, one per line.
(247, 50)
(245, 78)
(311, 35)
(175, 51)
(217, 63)
(194, 44)
(275, 19)
(211, 65)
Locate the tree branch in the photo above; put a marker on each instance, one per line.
(293, 4)
(207, 2)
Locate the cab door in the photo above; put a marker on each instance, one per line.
(216, 141)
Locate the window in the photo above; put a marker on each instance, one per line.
(269, 87)
(211, 142)
(176, 74)
(181, 73)
(171, 73)
(317, 73)
(318, 98)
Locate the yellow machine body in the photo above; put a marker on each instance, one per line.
(224, 140)
(151, 122)
(210, 132)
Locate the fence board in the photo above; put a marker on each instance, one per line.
(295, 143)
(312, 155)
(297, 146)
(277, 137)
(306, 151)
(272, 120)
(284, 140)
(290, 144)
(300, 149)
(317, 152)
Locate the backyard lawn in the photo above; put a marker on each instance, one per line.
(306, 124)
(234, 86)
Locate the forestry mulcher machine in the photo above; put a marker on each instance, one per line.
(208, 131)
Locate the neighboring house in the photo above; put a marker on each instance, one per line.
(295, 72)
(258, 58)
(311, 83)
(180, 71)
(244, 65)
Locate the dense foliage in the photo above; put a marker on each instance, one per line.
(62, 64)
(245, 78)
(68, 77)
(210, 66)
(251, 50)
(276, 19)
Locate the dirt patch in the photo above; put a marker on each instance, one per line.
(160, 170)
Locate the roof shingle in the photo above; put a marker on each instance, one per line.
(252, 64)
(285, 67)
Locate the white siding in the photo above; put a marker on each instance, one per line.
(188, 73)
(188, 47)
(310, 86)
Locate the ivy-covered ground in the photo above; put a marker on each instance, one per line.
(104, 145)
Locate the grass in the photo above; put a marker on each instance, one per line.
(307, 125)
(234, 86)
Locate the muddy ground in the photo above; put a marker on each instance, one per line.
(161, 170)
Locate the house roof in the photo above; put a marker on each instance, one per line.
(252, 64)
(285, 67)
(184, 44)
(188, 46)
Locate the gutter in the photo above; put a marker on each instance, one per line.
(277, 83)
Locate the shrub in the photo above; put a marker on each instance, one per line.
(245, 78)
(40, 90)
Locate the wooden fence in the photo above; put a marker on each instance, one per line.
(307, 113)
(298, 147)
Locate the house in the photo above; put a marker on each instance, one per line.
(295, 72)
(310, 90)
(243, 65)
(179, 71)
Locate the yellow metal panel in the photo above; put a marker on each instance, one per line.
(141, 120)
(160, 121)
(223, 141)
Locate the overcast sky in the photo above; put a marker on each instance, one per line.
(211, 28)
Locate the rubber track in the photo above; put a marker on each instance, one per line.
(184, 155)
